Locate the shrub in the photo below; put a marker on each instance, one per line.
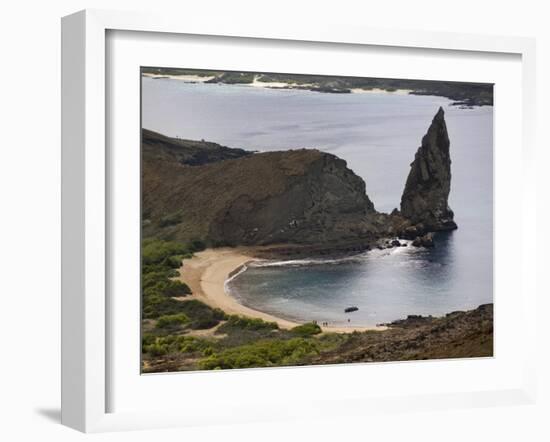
(161, 270)
(156, 306)
(172, 321)
(156, 349)
(198, 309)
(197, 245)
(151, 276)
(154, 346)
(154, 251)
(266, 353)
(176, 288)
(204, 323)
(167, 287)
(201, 316)
(191, 344)
(245, 323)
(174, 261)
(159, 261)
(158, 301)
(308, 329)
(162, 345)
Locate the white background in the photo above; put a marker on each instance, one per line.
(30, 220)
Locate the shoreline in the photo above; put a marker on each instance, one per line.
(206, 274)
(272, 85)
(184, 77)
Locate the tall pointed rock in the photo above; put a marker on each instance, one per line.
(425, 198)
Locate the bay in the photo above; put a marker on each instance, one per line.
(378, 135)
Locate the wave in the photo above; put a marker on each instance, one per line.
(324, 261)
(234, 274)
(306, 261)
(363, 257)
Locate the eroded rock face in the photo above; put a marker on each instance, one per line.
(425, 198)
(319, 200)
(231, 197)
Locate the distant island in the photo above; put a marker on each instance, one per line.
(462, 94)
(241, 205)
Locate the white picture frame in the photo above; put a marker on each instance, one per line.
(85, 210)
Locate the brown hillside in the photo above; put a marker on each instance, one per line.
(200, 190)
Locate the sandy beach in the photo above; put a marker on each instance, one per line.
(207, 272)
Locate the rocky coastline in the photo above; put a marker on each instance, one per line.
(460, 334)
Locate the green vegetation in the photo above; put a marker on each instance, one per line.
(154, 307)
(244, 323)
(154, 251)
(267, 353)
(308, 329)
(166, 287)
(202, 316)
(172, 321)
(160, 261)
(163, 345)
(197, 245)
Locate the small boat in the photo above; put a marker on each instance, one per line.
(351, 309)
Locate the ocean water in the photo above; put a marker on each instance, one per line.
(377, 134)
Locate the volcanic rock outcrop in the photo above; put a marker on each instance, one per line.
(425, 199)
(289, 197)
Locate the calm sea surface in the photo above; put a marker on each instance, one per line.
(377, 134)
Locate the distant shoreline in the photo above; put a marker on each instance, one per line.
(184, 77)
(462, 94)
(206, 274)
(191, 79)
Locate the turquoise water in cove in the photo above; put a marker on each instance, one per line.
(377, 134)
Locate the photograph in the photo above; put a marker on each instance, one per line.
(292, 219)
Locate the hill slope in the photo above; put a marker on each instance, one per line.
(200, 190)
